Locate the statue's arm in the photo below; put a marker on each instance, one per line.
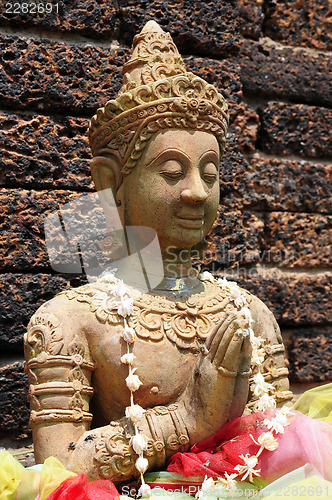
(274, 367)
(59, 368)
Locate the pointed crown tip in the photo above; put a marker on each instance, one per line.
(152, 26)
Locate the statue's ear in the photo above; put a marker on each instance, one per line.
(106, 174)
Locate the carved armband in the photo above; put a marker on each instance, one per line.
(59, 375)
(166, 432)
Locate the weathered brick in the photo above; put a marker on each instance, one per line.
(285, 73)
(14, 409)
(224, 74)
(54, 76)
(44, 75)
(295, 22)
(217, 35)
(294, 298)
(298, 240)
(41, 151)
(251, 18)
(279, 184)
(310, 353)
(91, 18)
(236, 239)
(232, 169)
(20, 297)
(283, 239)
(22, 238)
(296, 129)
(245, 123)
(309, 300)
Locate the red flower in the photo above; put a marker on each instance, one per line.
(78, 488)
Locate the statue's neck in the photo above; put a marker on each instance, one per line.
(180, 279)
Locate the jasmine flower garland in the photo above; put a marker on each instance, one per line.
(260, 389)
(138, 442)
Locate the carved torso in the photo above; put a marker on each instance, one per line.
(79, 332)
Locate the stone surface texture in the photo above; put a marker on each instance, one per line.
(305, 22)
(272, 62)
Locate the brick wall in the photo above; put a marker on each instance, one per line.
(272, 62)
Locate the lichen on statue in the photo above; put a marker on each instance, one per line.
(170, 367)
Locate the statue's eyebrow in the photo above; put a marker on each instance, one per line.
(210, 153)
(165, 155)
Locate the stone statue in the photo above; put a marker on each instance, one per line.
(121, 380)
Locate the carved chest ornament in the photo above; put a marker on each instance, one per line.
(184, 323)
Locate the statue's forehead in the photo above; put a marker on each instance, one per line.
(189, 141)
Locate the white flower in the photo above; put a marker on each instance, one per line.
(125, 307)
(121, 289)
(244, 332)
(248, 469)
(207, 485)
(265, 402)
(109, 275)
(141, 464)
(258, 356)
(129, 334)
(278, 423)
(285, 410)
(228, 481)
(247, 314)
(256, 342)
(267, 441)
(206, 276)
(135, 413)
(145, 491)
(133, 382)
(237, 296)
(117, 288)
(139, 443)
(128, 358)
(260, 387)
(227, 285)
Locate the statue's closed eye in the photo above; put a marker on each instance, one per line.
(210, 172)
(171, 170)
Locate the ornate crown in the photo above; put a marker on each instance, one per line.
(157, 93)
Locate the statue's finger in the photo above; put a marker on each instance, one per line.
(229, 360)
(219, 335)
(245, 357)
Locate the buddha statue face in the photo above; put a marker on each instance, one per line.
(157, 144)
(174, 187)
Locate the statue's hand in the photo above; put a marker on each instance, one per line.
(218, 389)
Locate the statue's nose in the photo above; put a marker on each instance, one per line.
(194, 191)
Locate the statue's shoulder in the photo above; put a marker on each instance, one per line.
(58, 325)
(264, 322)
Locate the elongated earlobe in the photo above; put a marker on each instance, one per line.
(106, 174)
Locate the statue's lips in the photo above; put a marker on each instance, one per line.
(191, 221)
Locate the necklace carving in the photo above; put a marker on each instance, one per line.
(186, 324)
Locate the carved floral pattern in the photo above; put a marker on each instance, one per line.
(155, 317)
(44, 335)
